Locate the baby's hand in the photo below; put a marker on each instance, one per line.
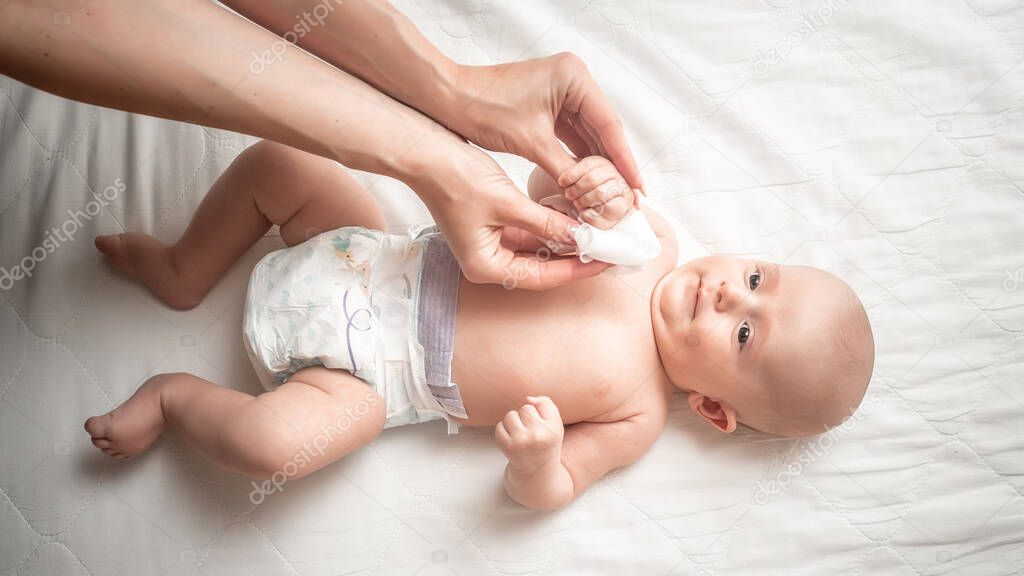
(531, 436)
(597, 191)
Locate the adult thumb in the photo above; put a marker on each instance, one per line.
(542, 222)
(553, 158)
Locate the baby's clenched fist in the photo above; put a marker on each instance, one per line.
(597, 191)
(531, 436)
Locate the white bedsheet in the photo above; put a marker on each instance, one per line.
(887, 147)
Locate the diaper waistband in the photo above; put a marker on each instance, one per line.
(435, 323)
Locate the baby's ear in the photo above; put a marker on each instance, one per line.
(719, 414)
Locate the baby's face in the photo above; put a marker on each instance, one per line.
(767, 345)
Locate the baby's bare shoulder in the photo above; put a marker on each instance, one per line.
(645, 406)
(626, 437)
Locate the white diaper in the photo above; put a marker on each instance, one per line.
(381, 306)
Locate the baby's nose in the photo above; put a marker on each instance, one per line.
(726, 296)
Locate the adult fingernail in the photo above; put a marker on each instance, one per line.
(570, 231)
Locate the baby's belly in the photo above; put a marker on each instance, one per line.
(587, 349)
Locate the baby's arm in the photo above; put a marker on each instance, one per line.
(548, 465)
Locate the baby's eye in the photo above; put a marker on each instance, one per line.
(744, 334)
(754, 281)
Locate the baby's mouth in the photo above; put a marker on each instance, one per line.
(696, 298)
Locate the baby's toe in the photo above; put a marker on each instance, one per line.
(108, 244)
(97, 426)
(101, 443)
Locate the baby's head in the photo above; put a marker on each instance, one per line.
(786, 350)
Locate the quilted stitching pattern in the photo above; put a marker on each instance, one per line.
(885, 147)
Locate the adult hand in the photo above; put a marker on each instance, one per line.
(525, 107)
(494, 229)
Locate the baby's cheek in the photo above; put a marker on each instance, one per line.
(708, 345)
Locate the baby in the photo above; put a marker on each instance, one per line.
(352, 330)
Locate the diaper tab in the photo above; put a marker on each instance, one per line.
(438, 301)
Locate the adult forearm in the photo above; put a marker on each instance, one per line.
(367, 38)
(191, 60)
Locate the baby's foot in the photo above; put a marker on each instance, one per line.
(145, 259)
(132, 427)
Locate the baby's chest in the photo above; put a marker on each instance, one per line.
(582, 386)
(587, 360)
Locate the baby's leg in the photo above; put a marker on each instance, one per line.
(267, 184)
(316, 417)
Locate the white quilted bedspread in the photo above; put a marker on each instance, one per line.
(882, 140)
